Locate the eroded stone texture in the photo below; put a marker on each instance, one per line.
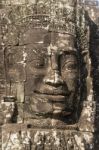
(20, 137)
(49, 75)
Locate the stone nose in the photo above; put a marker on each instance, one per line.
(53, 76)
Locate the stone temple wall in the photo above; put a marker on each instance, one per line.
(16, 75)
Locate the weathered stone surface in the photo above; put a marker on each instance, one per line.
(44, 139)
(49, 74)
(7, 110)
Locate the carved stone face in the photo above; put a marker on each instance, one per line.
(55, 74)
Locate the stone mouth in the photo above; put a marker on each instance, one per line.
(54, 95)
(57, 102)
(52, 92)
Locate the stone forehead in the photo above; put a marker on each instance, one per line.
(59, 41)
(43, 32)
(53, 37)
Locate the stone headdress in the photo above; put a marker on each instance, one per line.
(54, 15)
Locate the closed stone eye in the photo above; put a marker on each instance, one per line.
(68, 62)
(69, 66)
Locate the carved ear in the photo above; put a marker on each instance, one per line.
(85, 52)
(83, 38)
(88, 103)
